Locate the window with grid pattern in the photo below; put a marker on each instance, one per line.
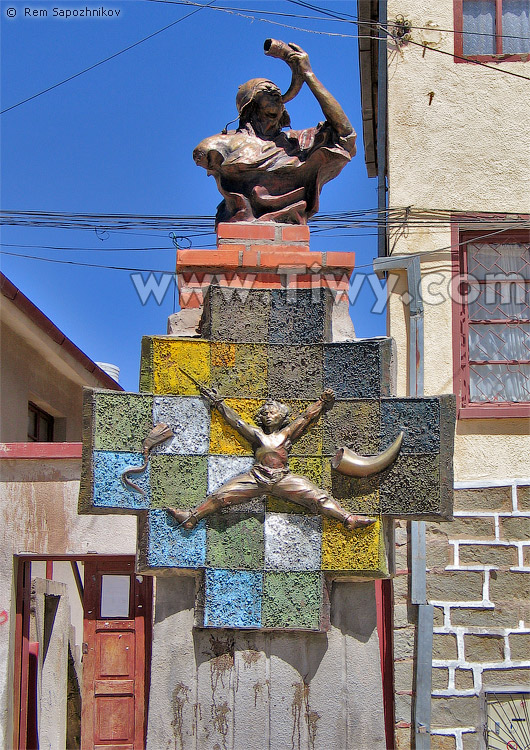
(494, 317)
(492, 29)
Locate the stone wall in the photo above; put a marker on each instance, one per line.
(478, 579)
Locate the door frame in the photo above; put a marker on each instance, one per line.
(22, 570)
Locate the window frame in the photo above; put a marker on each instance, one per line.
(48, 418)
(460, 237)
(499, 56)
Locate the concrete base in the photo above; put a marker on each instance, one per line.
(235, 690)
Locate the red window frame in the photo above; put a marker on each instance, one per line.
(461, 376)
(499, 56)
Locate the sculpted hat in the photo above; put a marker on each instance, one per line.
(246, 94)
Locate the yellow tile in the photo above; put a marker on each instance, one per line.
(223, 438)
(311, 442)
(310, 467)
(359, 550)
(170, 355)
(223, 355)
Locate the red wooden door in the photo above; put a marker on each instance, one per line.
(117, 612)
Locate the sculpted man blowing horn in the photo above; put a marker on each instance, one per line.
(265, 173)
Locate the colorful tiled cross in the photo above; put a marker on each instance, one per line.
(266, 564)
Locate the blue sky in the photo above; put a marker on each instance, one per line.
(119, 139)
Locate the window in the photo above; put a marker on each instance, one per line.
(492, 29)
(40, 425)
(492, 312)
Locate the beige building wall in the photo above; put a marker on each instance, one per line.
(38, 513)
(458, 141)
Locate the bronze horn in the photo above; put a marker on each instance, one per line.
(281, 50)
(354, 465)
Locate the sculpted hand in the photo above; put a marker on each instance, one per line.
(328, 399)
(299, 59)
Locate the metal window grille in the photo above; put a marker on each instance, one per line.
(506, 713)
(495, 321)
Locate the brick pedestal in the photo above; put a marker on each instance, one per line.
(261, 256)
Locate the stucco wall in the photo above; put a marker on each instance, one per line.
(38, 513)
(466, 151)
(468, 148)
(27, 376)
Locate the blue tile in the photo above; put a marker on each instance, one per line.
(233, 599)
(419, 419)
(171, 546)
(355, 370)
(109, 490)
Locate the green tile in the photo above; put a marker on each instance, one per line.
(178, 481)
(354, 424)
(122, 421)
(235, 541)
(292, 600)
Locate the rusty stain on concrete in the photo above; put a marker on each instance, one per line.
(301, 704)
(250, 657)
(259, 688)
(179, 698)
(222, 661)
(220, 720)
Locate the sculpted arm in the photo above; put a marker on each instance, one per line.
(311, 415)
(232, 418)
(332, 110)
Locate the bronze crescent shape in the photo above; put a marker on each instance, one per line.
(275, 48)
(354, 465)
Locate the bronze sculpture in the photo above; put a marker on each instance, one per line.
(159, 434)
(267, 174)
(271, 442)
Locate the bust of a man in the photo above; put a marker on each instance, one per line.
(266, 173)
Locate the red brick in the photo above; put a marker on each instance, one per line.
(340, 260)
(244, 231)
(190, 298)
(295, 233)
(190, 277)
(225, 258)
(290, 257)
(251, 257)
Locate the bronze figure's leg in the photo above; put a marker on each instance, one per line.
(234, 492)
(300, 490)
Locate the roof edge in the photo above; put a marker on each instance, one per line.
(31, 311)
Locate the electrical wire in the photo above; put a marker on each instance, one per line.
(199, 6)
(523, 225)
(106, 59)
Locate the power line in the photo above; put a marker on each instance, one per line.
(468, 59)
(522, 225)
(80, 263)
(200, 6)
(101, 62)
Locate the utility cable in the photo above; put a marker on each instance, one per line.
(152, 270)
(106, 59)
